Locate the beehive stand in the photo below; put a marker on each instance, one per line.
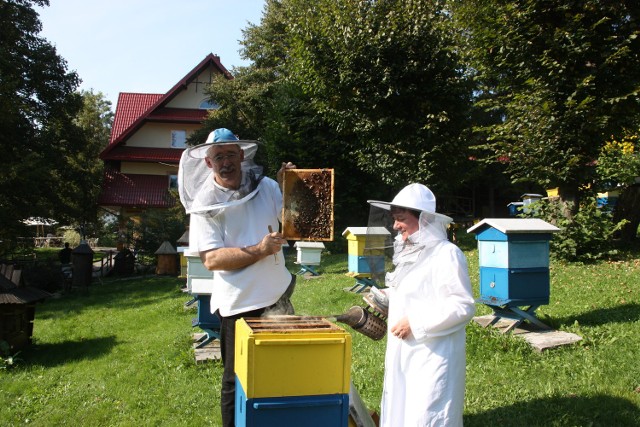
(516, 314)
(308, 256)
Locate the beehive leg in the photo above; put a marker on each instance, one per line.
(528, 315)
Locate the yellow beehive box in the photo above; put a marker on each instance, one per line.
(359, 238)
(281, 356)
(183, 262)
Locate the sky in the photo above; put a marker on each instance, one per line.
(144, 46)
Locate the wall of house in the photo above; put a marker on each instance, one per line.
(158, 135)
(147, 168)
(193, 96)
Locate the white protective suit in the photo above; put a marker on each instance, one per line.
(424, 378)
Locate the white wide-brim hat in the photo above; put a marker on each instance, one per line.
(416, 197)
(224, 136)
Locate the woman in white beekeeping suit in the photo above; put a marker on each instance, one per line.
(430, 302)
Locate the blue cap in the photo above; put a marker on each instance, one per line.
(223, 134)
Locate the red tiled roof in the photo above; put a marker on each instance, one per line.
(149, 191)
(140, 107)
(144, 154)
(129, 108)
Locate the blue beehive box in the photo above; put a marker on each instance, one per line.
(514, 261)
(515, 208)
(291, 411)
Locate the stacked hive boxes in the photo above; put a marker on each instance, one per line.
(514, 260)
(200, 284)
(292, 371)
(365, 249)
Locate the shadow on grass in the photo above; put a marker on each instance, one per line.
(49, 355)
(627, 313)
(329, 263)
(599, 410)
(119, 295)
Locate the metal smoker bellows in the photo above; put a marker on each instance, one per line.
(364, 321)
(370, 321)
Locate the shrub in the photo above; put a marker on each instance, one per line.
(585, 237)
(72, 237)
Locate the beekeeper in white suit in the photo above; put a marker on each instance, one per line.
(430, 302)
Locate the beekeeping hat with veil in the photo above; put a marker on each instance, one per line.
(199, 193)
(432, 227)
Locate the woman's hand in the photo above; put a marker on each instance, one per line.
(402, 329)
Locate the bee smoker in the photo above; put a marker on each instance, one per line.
(369, 321)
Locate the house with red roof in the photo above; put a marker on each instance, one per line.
(147, 139)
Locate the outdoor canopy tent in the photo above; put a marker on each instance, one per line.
(39, 223)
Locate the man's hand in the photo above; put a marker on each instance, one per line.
(271, 243)
(283, 167)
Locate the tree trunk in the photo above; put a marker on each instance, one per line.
(628, 207)
(570, 201)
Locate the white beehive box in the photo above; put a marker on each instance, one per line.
(308, 253)
(199, 279)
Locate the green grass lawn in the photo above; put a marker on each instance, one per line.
(120, 355)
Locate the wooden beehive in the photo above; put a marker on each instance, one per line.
(292, 356)
(360, 259)
(17, 312)
(167, 260)
(307, 207)
(514, 260)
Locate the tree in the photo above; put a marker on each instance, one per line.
(385, 76)
(562, 77)
(37, 100)
(81, 179)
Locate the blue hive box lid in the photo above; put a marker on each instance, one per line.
(514, 225)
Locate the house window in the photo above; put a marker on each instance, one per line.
(173, 182)
(178, 138)
(208, 104)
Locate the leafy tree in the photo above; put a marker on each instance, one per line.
(156, 226)
(385, 76)
(81, 178)
(586, 237)
(37, 102)
(561, 76)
